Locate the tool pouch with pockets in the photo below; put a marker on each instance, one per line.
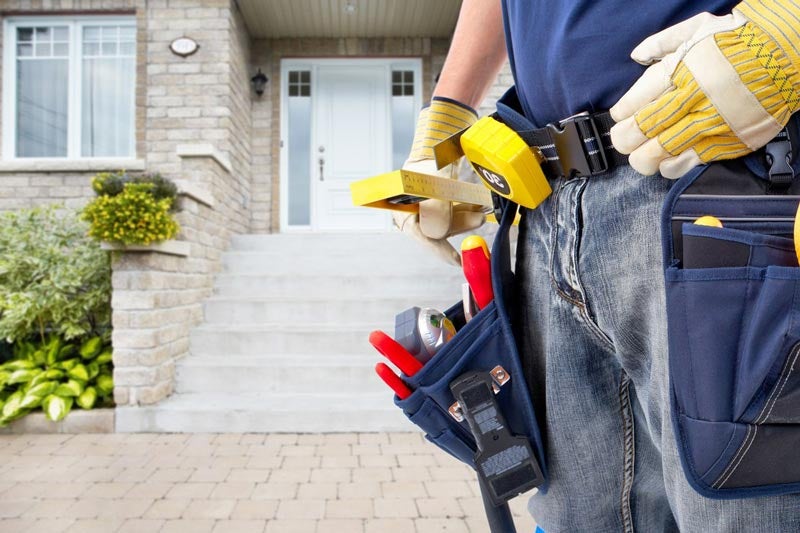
(733, 310)
(479, 345)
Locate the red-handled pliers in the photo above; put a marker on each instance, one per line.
(393, 380)
(395, 353)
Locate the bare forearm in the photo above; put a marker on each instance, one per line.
(476, 55)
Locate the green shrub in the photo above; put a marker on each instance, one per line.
(131, 210)
(53, 278)
(55, 375)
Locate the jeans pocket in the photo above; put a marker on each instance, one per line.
(734, 341)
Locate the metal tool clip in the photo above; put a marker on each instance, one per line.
(499, 378)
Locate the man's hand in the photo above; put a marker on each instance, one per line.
(437, 220)
(718, 88)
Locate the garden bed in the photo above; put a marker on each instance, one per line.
(78, 421)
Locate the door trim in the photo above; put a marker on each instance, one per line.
(312, 64)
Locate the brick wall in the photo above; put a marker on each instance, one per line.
(198, 129)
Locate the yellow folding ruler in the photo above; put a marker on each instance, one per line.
(402, 190)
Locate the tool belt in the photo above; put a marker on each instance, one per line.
(733, 315)
(578, 146)
(484, 344)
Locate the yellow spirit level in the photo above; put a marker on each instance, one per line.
(505, 163)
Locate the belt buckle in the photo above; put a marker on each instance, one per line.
(572, 150)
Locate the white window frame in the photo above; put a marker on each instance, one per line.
(76, 24)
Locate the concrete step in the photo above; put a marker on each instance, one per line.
(264, 413)
(307, 374)
(283, 339)
(318, 311)
(304, 243)
(445, 287)
(347, 262)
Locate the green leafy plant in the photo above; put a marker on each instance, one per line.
(53, 278)
(56, 375)
(132, 209)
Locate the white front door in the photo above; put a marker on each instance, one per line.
(351, 142)
(342, 120)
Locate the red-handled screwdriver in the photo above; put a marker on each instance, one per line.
(476, 261)
(393, 380)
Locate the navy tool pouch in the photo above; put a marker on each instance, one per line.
(479, 345)
(733, 312)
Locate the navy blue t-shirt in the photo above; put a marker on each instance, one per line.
(570, 56)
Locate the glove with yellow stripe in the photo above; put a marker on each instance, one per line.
(719, 88)
(438, 219)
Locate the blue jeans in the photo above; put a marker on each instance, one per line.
(593, 338)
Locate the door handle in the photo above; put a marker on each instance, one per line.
(321, 169)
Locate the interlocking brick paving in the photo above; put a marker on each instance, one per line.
(238, 483)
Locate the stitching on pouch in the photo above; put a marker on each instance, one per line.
(783, 375)
(682, 287)
(719, 481)
(774, 391)
(755, 432)
(739, 343)
(783, 370)
(785, 381)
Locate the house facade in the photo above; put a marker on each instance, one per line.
(172, 87)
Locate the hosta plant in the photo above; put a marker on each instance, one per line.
(132, 209)
(56, 375)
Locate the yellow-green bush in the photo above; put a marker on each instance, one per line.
(135, 211)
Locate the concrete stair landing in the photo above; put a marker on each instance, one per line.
(283, 347)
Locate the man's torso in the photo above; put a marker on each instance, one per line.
(570, 56)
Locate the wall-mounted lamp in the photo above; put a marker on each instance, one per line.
(259, 82)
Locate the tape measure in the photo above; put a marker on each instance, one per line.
(505, 163)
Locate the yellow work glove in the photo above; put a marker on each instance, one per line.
(719, 88)
(438, 219)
